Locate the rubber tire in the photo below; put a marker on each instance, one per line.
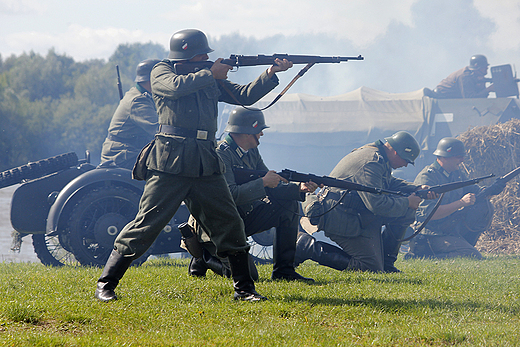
(103, 208)
(50, 252)
(37, 169)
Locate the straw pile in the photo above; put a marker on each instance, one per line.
(496, 149)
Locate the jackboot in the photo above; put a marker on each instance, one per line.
(114, 270)
(391, 246)
(321, 252)
(284, 249)
(197, 267)
(215, 265)
(242, 281)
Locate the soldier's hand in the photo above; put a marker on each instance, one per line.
(414, 201)
(271, 179)
(219, 70)
(308, 187)
(431, 195)
(279, 65)
(468, 199)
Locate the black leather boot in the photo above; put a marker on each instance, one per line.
(215, 265)
(284, 249)
(321, 252)
(197, 267)
(114, 270)
(391, 246)
(242, 281)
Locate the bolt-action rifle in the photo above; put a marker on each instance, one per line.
(499, 184)
(245, 175)
(237, 60)
(119, 85)
(444, 188)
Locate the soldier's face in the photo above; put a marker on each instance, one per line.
(396, 161)
(452, 163)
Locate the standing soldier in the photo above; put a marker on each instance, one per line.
(134, 123)
(183, 164)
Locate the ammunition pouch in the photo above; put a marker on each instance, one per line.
(140, 169)
(348, 217)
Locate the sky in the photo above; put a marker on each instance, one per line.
(407, 44)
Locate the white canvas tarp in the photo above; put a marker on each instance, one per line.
(311, 134)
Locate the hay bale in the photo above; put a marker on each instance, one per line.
(496, 149)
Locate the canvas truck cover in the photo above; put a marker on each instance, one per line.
(311, 134)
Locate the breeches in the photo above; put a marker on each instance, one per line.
(209, 201)
(366, 249)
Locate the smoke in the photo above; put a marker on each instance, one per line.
(443, 35)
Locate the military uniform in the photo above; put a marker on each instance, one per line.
(133, 125)
(262, 208)
(183, 162)
(456, 234)
(355, 222)
(463, 83)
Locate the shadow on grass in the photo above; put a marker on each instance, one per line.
(404, 305)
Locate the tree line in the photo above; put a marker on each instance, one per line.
(51, 104)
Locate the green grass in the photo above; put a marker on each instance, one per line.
(432, 303)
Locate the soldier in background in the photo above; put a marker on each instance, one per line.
(355, 219)
(134, 122)
(457, 224)
(468, 82)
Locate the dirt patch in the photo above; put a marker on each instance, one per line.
(496, 149)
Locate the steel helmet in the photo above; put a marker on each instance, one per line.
(187, 43)
(405, 145)
(142, 72)
(478, 61)
(450, 147)
(246, 121)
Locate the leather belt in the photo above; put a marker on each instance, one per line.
(195, 134)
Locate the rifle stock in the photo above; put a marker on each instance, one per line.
(499, 184)
(245, 175)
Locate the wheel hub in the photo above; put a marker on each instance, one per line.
(108, 227)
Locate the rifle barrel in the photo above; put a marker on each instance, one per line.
(253, 60)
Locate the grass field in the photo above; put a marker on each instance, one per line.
(432, 303)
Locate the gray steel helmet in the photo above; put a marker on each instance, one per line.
(187, 43)
(405, 145)
(246, 121)
(450, 147)
(142, 72)
(478, 61)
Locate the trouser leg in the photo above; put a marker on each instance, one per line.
(394, 231)
(326, 254)
(114, 270)
(211, 204)
(477, 219)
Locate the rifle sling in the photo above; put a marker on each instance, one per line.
(298, 75)
(421, 227)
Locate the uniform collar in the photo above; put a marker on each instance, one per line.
(229, 140)
(437, 166)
